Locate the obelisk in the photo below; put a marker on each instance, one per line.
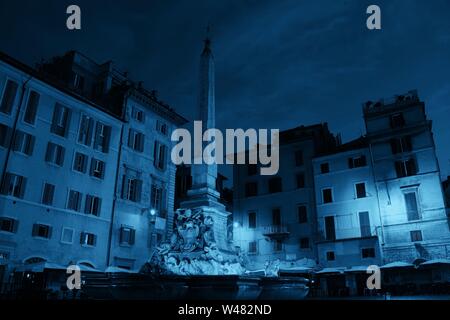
(203, 194)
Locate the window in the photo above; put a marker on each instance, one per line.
(360, 190)
(97, 169)
(48, 194)
(31, 108)
(8, 225)
(86, 130)
(60, 120)
(299, 158)
(9, 95)
(252, 220)
(331, 256)
(400, 145)
(161, 127)
(102, 137)
(416, 236)
(78, 81)
(42, 231)
(138, 115)
(14, 185)
(405, 168)
(276, 217)
(300, 177)
(55, 154)
(5, 135)
(278, 245)
(412, 209)
(397, 120)
(330, 231)
(251, 189)
(92, 205)
(364, 224)
(80, 162)
(88, 239)
(275, 185)
(327, 195)
(302, 214)
(131, 189)
(357, 162)
(156, 198)
(368, 253)
(252, 169)
(74, 201)
(325, 167)
(160, 151)
(304, 243)
(127, 235)
(136, 140)
(23, 143)
(67, 235)
(252, 247)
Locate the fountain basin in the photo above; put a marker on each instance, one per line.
(124, 286)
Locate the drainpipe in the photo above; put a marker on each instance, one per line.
(116, 185)
(14, 128)
(378, 204)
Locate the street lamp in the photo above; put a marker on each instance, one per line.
(152, 212)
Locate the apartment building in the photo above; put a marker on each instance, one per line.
(86, 171)
(55, 196)
(348, 217)
(275, 216)
(407, 176)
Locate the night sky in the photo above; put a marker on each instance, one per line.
(279, 64)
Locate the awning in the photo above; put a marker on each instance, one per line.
(112, 269)
(357, 269)
(40, 267)
(331, 270)
(85, 268)
(397, 265)
(435, 262)
(295, 270)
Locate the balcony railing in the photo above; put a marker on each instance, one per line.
(276, 231)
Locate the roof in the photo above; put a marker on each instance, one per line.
(59, 85)
(397, 264)
(145, 96)
(356, 144)
(435, 261)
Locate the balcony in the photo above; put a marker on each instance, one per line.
(276, 231)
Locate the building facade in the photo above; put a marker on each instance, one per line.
(275, 216)
(86, 171)
(347, 208)
(372, 201)
(56, 200)
(407, 176)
